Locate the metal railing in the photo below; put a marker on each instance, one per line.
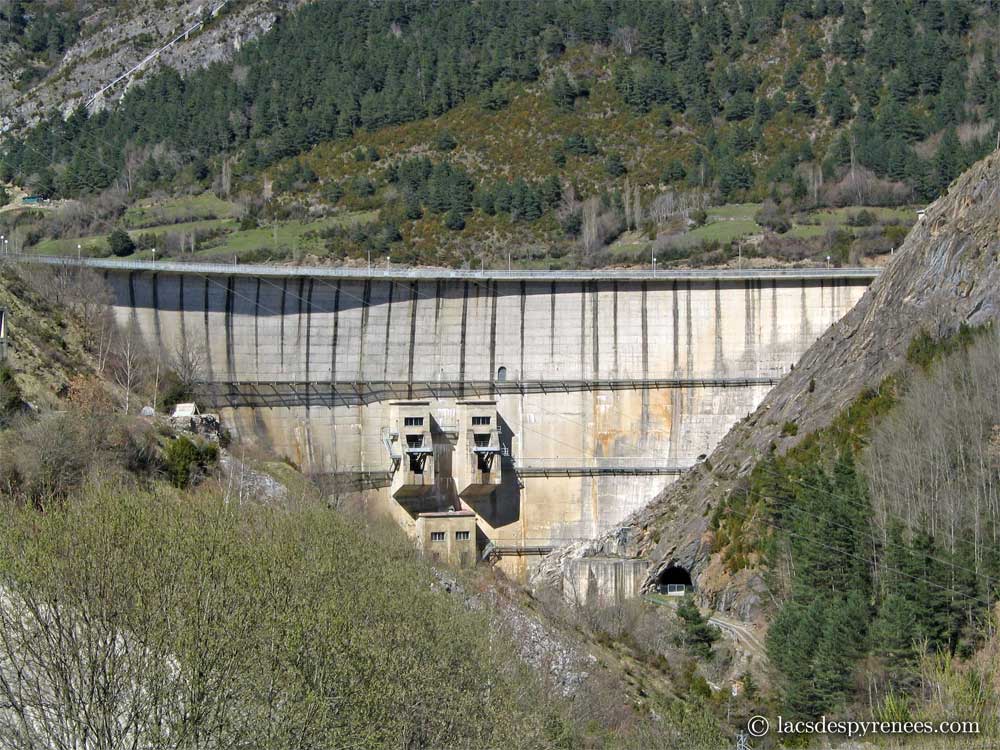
(264, 394)
(598, 470)
(406, 273)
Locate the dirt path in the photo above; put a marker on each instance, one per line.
(741, 633)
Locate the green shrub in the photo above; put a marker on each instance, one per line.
(362, 187)
(120, 243)
(445, 141)
(185, 461)
(454, 220)
(924, 349)
(863, 218)
(333, 191)
(895, 234)
(614, 165)
(11, 399)
(698, 636)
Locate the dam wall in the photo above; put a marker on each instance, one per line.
(606, 384)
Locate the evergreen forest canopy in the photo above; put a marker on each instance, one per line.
(886, 568)
(769, 93)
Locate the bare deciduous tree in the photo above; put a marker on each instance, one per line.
(636, 207)
(130, 363)
(626, 38)
(590, 228)
(188, 362)
(933, 461)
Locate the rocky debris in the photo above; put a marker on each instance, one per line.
(206, 426)
(947, 272)
(249, 484)
(546, 651)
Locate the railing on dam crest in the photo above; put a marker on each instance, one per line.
(411, 274)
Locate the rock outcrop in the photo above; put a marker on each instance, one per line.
(114, 39)
(947, 272)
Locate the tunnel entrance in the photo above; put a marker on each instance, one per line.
(673, 580)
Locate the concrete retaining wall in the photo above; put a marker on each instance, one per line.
(602, 580)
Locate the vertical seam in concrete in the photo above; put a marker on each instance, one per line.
(298, 318)
(366, 296)
(180, 309)
(461, 355)
(520, 371)
(596, 329)
(676, 326)
(414, 291)
(822, 295)
(719, 361)
(804, 319)
(492, 287)
(256, 330)
(156, 311)
(333, 341)
(645, 333)
(131, 298)
(281, 323)
(309, 304)
(614, 335)
(748, 324)
(230, 355)
(388, 330)
(688, 326)
(758, 334)
(774, 313)
(644, 419)
(208, 340)
(583, 329)
(552, 324)
(437, 320)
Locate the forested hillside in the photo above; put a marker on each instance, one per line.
(855, 511)
(564, 123)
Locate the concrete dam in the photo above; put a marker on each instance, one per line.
(547, 406)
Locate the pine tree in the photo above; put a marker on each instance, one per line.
(838, 649)
(698, 634)
(892, 631)
(948, 160)
(563, 91)
(551, 192)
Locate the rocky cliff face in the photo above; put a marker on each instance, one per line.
(947, 272)
(115, 37)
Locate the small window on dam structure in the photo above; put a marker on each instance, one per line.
(501, 374)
